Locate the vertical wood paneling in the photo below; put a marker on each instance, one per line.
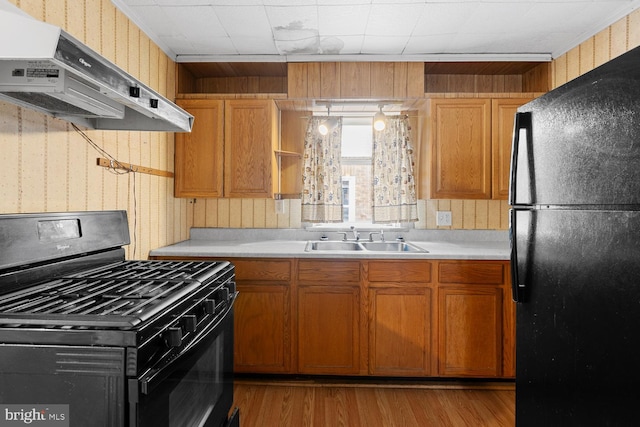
(32, 160)
(35, 8)
(10, 146)
(619, 37)
(314, 76)
(56, 183)
(415, 80)
(400, 82)
(77, 170)
(586, 59)
(297, 79)
(47, 166)
(330, 79)
(602, 49)
(382, 80)
(634, 29)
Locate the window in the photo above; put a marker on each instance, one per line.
(357, 141)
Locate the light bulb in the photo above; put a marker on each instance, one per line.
(379, 121)
(323, 128)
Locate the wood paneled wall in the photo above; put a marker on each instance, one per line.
(613, 41)
(46, 166)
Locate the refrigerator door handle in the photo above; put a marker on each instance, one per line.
(518, 271)
(522, 122)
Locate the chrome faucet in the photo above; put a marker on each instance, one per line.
(356, 235)
(381, 233)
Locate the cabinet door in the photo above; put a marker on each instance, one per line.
(460, 140)
(263, 316)
(262, 329)
(503, 112)
(470, 331)
(199, 154)
(399, 331)
(328, 330)
(250, 140)
(329, 317)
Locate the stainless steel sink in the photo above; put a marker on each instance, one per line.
(329, 245)
(391, 247)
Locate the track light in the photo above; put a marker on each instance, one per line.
(329, 124)
(379, 120)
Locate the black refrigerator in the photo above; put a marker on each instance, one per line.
(575, 250)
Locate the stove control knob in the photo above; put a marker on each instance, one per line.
(173, 337)
(210, 306)
(189, 322)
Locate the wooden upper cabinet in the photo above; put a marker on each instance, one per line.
(199, 154)
(251, 135)
(502, 119)
(460, 140)
(396, 80)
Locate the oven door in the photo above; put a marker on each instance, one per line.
(195, 389)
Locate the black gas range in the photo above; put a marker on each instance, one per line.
(97, 340)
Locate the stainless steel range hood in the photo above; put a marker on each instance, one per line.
(46, 69)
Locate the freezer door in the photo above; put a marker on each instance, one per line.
(578, 329)
(580, 144)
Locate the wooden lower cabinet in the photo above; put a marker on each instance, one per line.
(262, 329)
(400, 331)
(470, 332)
(473, 334)
(262, 336)
(397, 318)
(400, 317)
(328, 330)
(329, 317)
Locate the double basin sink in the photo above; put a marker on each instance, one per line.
(332, 245)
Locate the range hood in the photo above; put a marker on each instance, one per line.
(46, 69)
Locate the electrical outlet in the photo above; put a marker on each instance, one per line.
(443, 218)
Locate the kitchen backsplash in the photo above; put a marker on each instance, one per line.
(261, 213)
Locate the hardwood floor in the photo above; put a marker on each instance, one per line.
(331, 404)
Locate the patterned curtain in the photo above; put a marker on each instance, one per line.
(394, 189)
(322, 173)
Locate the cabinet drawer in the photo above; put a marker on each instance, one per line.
(400, 271)
(472, 272)
(263, 270)
(329, 271)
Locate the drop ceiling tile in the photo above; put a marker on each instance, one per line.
(343, 20)
(393, 20)
(162, 23)
(550, 27)
(384, 45)
(244, 21)
(345, 45)
(434, 44)
(249, 45)
(195, 22)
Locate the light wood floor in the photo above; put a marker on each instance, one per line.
(330, 404)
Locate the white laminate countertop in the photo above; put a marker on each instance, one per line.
(283, 244)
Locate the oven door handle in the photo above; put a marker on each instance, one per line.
(151, 378)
